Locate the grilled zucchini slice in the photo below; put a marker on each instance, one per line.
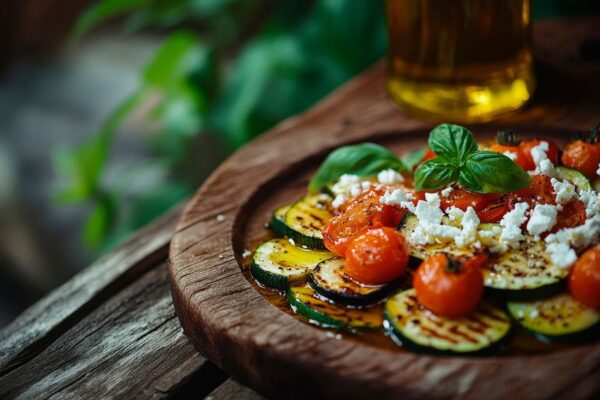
(525, 273)
(559, 318)
(303, 301)
(575, 177)
(276, 263)
(330, 281)
(306, 218)
(410, 323)
(278, 220)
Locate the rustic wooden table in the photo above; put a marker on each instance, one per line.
(111, 331)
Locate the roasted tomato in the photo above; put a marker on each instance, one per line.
(377, 256)
(572, 215)
(582, 156)
(450, 287)
(520, 159)
(584, 278)
(540, 191)
(463, 199)
(360, 214)
(429, 154)
(495, 210)
(527, 145)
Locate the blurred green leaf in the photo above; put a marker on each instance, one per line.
(105, 10)
(100, 222)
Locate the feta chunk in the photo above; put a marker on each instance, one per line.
(511, 223)
(398, 197)
(468, 234)
(591, 200)
(345, 184)
(561, 254)
(389, 177)
(446, 192)
(542, 219)
(565, 191)
(510, 154)
(339, 200)
(540, 158)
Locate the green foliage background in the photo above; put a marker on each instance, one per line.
(226, 71)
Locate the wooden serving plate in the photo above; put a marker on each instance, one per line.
(236, 327)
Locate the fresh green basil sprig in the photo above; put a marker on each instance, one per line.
(459, 160)
(365, 159)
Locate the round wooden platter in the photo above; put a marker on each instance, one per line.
(232, 324)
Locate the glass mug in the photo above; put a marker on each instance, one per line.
(460, 60)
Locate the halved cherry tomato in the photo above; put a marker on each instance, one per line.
(582, 156)
(520, 159)
(450, 287)
(463, 199)
(495, 210)
(364, 212)
(429, 154)
(584, 278)
(540, 191)
(377, 256)
(527, 145)
(572, 215)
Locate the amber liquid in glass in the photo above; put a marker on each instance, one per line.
(460, 60)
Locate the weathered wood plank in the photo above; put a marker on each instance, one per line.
(233, 390)
(46, 320)
(131, 346)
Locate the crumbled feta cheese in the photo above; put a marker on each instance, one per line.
(598, 170)
(540, 158)
(511, 223)
(246, 253)
(447, 191)
(469, 223)
(454, 213)
(591, 200)
(534, 313)
(510, 154)
(339, 200)
(561, 254)
(220, 218)
(345, 184)
(561, 245)
(389, 177)
(542, 219)
(398, 197)
(565, 191)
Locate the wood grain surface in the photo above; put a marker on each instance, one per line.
(235, 327)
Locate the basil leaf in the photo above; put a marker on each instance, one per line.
(436, 173)
(491, 172)
(413, 158)
(365, 159)
(452, 141)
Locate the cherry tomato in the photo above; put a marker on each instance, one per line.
(572, 215)
(364, 212)
(582, 156)
(521, 160)
(527, 145)
(495, 210)
(463, 199)
(584, 278)
(377, 256)
(540, 191)
(429, 154)
(449, 287)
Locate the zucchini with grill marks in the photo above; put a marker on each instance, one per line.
(278, 220)
(559, 319)
(306, 218)
(330, 281)
(276, 263)
(519, 274)
(303, 301)
(573, 176)
(418, 329)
